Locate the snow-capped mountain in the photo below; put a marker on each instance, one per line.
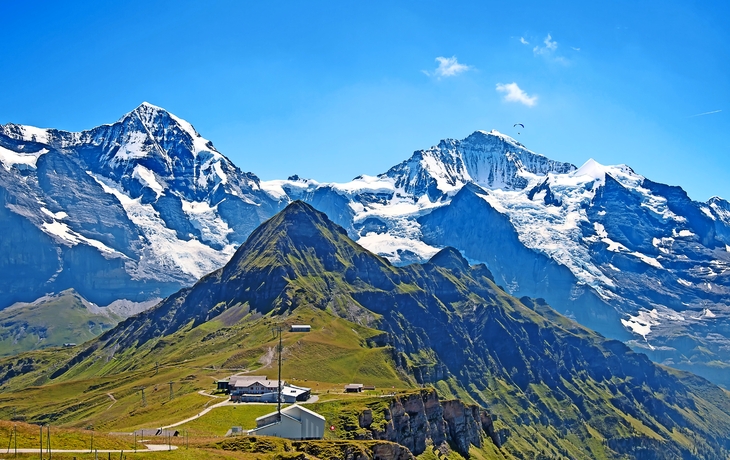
(490, 160)
(131, 210)
(145, 206)
(629, 257)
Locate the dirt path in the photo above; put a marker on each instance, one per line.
(200, 414)
(114, 400)
(227, 402)
(150, 448)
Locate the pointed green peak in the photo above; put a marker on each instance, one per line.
(301, 220)
(450, 258)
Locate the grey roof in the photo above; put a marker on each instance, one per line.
(293, 408)
(248, 380)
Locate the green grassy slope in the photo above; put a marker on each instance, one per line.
(51, 322)
(555, 388)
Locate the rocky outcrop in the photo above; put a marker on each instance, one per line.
(420, 419)
(284, 449)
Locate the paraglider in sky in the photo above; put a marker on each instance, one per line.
(518, 124)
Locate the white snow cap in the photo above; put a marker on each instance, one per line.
(592, 168)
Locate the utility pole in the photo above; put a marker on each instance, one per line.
(171, 394)
(144, 400)
(278, 330)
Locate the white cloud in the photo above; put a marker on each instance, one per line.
(448, 67)
(550, 46)
(523, 41)
(513, 93)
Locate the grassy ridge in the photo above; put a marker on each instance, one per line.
(51, 322)
(336, 352)
(556, 389)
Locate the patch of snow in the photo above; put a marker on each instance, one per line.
(9, 158)
(33, 134)
(276, 188)
(707, 212)
(641, 323)
(148, 178)
(664, 244)
(600, 230)
(555, 230)
(219, 171)
(705, 314)
(614, 246)
(391, 246)
(366, 184)
(647, 260)
(134, 148)
(682, 233)
(60, 215)
(684, 282)
(64, 232)
(165, 250)
(273, 188)
(206, 219)
(357, 208)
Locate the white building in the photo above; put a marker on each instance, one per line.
(257, 388)
(252, 384)
(296, 423)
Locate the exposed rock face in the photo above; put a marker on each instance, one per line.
(346, 450)
(415, 419)
(321, 449)
(464, 425)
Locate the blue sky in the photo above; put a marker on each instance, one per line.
(331, 90)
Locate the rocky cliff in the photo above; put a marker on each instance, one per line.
(418, 420)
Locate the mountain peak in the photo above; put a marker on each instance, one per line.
(593, 169)
(450, 257)
(303, 224)
(146, 105)
(492, 160)
(162, 126)
(148, 114)
(481, 135)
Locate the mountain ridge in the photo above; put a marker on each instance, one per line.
(443, 323)
(625, 255)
